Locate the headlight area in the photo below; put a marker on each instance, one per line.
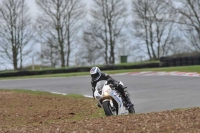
(106, 93)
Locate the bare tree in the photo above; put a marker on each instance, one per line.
(179, 46)
(15, 32)
(51, 54)
(60, 21)
(124, 48)
(153, 26)
(89, 50)
(189, 20)
(108, 20)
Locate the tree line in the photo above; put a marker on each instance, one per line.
(98, 33)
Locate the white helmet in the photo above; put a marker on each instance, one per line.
(95, 73)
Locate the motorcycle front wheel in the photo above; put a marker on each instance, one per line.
(109, 111)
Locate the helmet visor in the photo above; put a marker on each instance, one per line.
(95, 76)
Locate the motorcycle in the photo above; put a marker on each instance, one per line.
(111, 100)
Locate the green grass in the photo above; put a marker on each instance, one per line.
(37, 67)
(27, 91)
(131, 63)
(136, 63)
(76, 96)
(54, 99)
(47, 75)
(181, 69)
(165, 69)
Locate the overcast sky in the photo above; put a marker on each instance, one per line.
(33, 7)
(34, 10)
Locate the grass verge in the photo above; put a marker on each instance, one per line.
(25, 107)
(164, 69)
(42, 112)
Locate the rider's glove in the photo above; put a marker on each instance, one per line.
(110, 81)
(113, 82)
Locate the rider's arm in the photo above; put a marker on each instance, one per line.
(110, 79)
(93, 87)
(106, 76)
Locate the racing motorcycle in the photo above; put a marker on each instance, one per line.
(111, 100)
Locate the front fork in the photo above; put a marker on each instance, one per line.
(111, 103)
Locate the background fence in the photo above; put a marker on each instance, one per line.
(179, 61)
(164, 62)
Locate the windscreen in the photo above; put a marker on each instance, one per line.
(100, 85)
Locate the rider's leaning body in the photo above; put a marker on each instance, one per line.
(97, 76)
(104, 76)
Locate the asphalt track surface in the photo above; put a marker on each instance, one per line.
(148, 93)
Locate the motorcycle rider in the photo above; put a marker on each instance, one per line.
(97, 76)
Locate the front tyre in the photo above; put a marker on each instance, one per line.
(108, 109)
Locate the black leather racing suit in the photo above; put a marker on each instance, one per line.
(105, 76)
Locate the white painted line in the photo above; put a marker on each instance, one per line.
(59, 93)
(45, 78)
(121, 74)
(161, 73)
(146, 72)
(174, 73)
(66, 94)
(88, 96)
(32, 78)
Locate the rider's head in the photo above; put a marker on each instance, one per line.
(95, 73)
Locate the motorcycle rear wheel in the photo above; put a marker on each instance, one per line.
(108, 109)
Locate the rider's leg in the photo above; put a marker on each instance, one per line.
(128, 100)
(120, 88)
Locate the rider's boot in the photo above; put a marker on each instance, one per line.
(128, 102)
(126, 98)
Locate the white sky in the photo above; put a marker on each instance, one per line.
(34, 10)
(33, 7)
